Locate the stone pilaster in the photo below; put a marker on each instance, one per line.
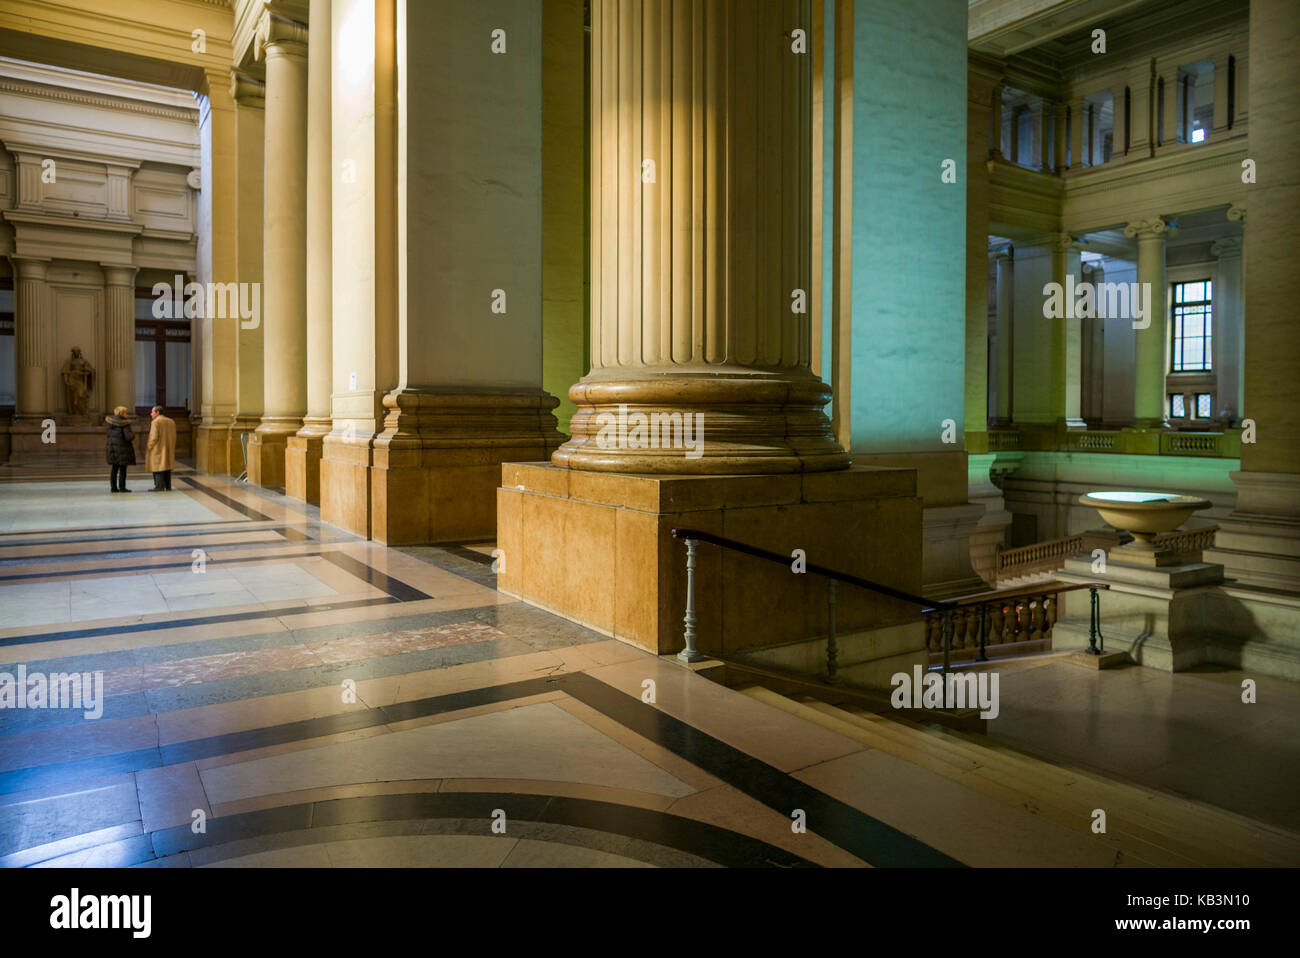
(32, 348)
(119, 336)
(1151, 359)
(282, 43)
(303, 451)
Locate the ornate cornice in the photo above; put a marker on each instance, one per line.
(50, 92)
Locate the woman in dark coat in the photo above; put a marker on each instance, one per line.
(121, 451)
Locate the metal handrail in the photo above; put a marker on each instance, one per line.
(927, 605)
(946, 607)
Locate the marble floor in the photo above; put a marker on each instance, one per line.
(275, 692)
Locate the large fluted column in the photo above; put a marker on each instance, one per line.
(1149, 363)
(701, 410)
(119, 335)
(283, 44)
(247, 212)
(31, 336)
(1259, 543)
(303, 451)
(215, 262)
(701, 241)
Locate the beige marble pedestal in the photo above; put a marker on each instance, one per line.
(597, 548)
(432, 474)
(302, 456)
(1156, 614)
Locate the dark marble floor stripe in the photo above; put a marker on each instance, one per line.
(77, 530)
(61, 773)
(396, 588)
(346, 818)
(91, 633)
(838, 822)
(106, 572)
(136, 553)
(224, 499)
(293, 534)
(472, 555)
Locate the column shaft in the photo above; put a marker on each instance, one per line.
(303, 451)
(995, 142)
(31, 337)
(1067, 341)
(250, 171)
(1005, 335)
(283, 43)
(1058, 137)
(1149, 364)
(216, 263)
(119, 336)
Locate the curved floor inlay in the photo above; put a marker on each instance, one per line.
(641, 835)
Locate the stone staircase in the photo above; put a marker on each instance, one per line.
(1143, 826)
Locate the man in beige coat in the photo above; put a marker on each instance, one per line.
(161, 452)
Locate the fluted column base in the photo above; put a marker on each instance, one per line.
(431, 475)
(719, 422)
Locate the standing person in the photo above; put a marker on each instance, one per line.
(161, 453)
(121, 452)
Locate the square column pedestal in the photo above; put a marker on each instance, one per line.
(1157, 613)
(597, 548)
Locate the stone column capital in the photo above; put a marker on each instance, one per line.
(1237, 213)
(1146, 229)
(277, 34)
(1227, 247)
(246, 90)
(1062, 242)
(116, 274)
(29, 267)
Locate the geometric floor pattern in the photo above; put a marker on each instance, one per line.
(275, 692)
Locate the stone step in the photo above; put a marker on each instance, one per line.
(1144, 825)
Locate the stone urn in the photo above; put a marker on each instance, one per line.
(1145, 515)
